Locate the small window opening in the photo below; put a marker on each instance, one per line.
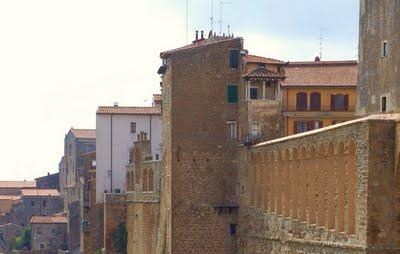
(385, 49)
(384, 108)
(233, 229)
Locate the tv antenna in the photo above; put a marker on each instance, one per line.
(321, 42)
(212, 15)
(222, 3)
(187, 20)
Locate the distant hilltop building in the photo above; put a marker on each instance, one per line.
(117, 128)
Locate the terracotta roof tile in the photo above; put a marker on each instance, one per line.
(84, 133)
(53, 219)
(17, 184)
(199, 43)
(40, 192)
(328, 73)
(260, 59)
(129, 110)
(262, 73)
(5, 197)
(157, 97)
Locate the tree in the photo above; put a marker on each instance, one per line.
(23, 241)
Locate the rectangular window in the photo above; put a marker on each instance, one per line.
(42, 246)
(234, 59)
(44, 203)
(261, 66)
(253, 93)
(233, 229)
(232, 130)
(256, 129)
(301, 126)
(32, 203)
(232, 94)
(385, 49)
(383, 107)
(133, 127)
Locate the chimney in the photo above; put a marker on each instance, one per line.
(116, 104)
(317, 59)
(202, 34)
(197, 35)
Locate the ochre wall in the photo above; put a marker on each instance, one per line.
(331, 191)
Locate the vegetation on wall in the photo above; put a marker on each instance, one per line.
(22, 242)
(119, 239)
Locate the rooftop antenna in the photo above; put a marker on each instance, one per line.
(220, 15)
(212, 15)
(229, 30)
(321, 42)
(187, 20)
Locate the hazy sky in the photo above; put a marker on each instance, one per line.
(59, 60)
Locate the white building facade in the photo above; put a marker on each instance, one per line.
(117, 128)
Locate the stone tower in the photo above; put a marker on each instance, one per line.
(379, 54)
(198, 196)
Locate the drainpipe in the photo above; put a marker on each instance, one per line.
(111, 154)
(150, 133)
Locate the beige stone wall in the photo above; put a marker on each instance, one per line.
(114, 214)
(327, 191)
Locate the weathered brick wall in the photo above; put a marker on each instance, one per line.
(114, 214)
(198, 166)
(300, 194)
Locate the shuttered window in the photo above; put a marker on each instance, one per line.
(234, 59)
(232, 94)
(301, 101)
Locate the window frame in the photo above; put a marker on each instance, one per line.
(232, 98)
(253, 88)
(234, 59)
(301, 105)
(232, 130)
(133, 127)
(315, 101)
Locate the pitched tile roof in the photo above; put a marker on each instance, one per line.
(260, 59)
(40, 192)
(323, 73)
(84, 133)
(199, 43)
(157, 97)
(263, 73)
(117, 110)
(17, 184)
(5, 197)
(52, 219)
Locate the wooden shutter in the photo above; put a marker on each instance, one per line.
(346, 102)
(295, 127)
(332, 102)
(310, 125)
(321, 124)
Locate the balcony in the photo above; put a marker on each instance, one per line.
(323, 110)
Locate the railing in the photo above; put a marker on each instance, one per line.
(251, 139)
(322, 108)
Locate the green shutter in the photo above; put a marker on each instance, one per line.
(232, 94)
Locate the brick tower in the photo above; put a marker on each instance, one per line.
(200, 111)
(379, 57)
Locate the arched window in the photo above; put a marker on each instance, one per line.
(301, 102)
(315, 101)
(339, 102)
